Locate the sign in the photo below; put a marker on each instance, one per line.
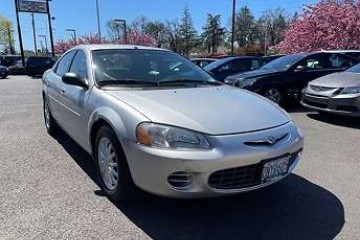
(32, 6)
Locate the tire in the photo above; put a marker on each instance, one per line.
(112, 167)
(50, 124)
(273, 94)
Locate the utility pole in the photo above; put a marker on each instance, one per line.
(265, 43)
(19, 33)
(233, 26)
(34, 31)
(50, 29)
(98, 18)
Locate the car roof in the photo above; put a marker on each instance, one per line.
(203, 59)
(340, 51)
(94, 47)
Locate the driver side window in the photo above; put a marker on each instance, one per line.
(311, 63)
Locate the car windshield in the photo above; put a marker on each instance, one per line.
(151, 67)
(354, 69)
(283, 63)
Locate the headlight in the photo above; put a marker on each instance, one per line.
(351, 90)
(158, 135)
(247, 82)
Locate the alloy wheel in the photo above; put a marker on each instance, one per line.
(273, 94)
(107, 161)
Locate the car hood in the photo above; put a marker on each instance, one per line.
(211, 110)
(338, 80)
(253, 74)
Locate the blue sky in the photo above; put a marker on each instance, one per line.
(81, 14)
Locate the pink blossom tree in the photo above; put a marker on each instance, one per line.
(329, 24)
(133, 38)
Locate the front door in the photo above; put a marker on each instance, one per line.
(74, 100)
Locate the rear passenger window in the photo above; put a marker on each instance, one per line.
(338, 61)
(64, 64)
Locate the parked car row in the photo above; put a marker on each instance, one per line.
(290, 78)
(34, 65)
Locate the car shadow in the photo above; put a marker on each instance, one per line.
(292, 209)
(343, 121)
(296, 108)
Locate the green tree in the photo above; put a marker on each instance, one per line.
(6, 39)
(245, 27)
(157, 30)
(273, 24)
(213, 35)
(173, 35)
(188, 33)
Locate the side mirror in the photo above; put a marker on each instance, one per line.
(299, 68)
(75, 80)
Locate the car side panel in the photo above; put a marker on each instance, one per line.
(119, 115)
(54, 85)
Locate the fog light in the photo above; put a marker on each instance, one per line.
(180, 180)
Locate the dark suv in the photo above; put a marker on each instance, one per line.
(36, 66)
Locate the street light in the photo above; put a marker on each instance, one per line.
(98, 18)
(124, 23)
(74, 33)
(233, 26)
(46, 46)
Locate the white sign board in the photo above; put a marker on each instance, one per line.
(32, 6)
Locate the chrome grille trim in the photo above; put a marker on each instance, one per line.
(241, 177)
(321, 88)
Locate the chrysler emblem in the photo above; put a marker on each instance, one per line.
(272, 140)
(268, 141)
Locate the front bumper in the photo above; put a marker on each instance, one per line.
(150, 167)
(348, 104)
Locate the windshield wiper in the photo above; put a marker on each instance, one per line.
(188, 81)
(125, 81)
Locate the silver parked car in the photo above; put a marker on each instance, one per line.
(151, 119)
(337, 93)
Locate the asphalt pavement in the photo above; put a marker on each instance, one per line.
(49, 190)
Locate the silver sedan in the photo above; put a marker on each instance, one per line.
(153, 120)
(337, 93)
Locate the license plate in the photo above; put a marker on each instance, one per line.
(275, 169)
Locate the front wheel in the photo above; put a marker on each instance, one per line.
(112, 167)
(273, 94)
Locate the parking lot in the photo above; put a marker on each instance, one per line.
(49, 187)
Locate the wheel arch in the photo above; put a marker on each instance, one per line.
(105, 117)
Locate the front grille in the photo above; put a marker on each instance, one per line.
(316, 101)
(321, 88)
(347, 108)
(240, 177)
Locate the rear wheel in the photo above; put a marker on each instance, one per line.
(273, 94)
(3, 75)
(50, 124)
(112, 167)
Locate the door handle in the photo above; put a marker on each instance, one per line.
(62, 91)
